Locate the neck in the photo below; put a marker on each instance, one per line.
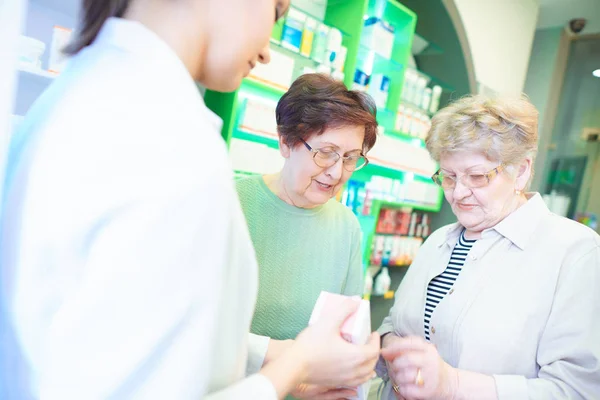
(278, 184)
(176, 23)
(517, 202)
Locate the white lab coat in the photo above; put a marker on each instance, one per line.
(131, 271)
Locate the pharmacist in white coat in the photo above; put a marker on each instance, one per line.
(504, 304)
(128, 269)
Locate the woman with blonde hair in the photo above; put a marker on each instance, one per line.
(503, 304)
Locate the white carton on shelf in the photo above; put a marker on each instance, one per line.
(378, 36)
(60, 39)
(278, 71)
(356, 329)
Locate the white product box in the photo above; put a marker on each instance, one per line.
(356, 329)
(279, 71)
(379, 36)
(60, 39)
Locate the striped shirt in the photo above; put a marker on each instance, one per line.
(442, 284)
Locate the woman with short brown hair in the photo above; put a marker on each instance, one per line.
(305, 240)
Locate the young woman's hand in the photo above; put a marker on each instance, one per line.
(330, 360)
(314, 392)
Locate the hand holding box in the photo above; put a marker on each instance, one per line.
(356, 329)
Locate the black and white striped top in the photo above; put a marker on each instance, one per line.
(442, 284)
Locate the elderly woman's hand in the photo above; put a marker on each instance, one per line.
(416, 369)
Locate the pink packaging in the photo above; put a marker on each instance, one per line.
(356, 329)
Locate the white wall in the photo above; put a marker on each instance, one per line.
(500, 34)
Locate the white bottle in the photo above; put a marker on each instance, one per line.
(332, 49)
(382, 283)
(435, 99)
(368, 289)
(426, 102)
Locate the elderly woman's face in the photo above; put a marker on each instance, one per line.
(479, 208)
(311, 184)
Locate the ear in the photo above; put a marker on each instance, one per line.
(523, 174)
(284, 149)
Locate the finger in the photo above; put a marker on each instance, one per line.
(370, 352)
(309, 391)
(410, 343)
(335, 394)
(412, 391)
(409, 360)
(405, 376)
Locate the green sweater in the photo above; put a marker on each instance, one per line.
(300, 252)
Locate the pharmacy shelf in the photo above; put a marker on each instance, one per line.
(251, 135)
(424, 47)
(376, 62)
(416, 107)
(434, 80)
(66, 7)
(31, 83)
(389, 266)
(379, 204)
(38, 75)
(395, 167)
(415, 141)
(270, 89)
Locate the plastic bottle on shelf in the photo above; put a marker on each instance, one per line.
(368, 288)
(409, 85)
(30, 52)
(427, 126)
(319, 46)
(408, 116)
(425, 223)
(378, 245)
(399, 122)
(340, 60)
(413, 223)
(57, 59)
(360, 199)
(334, 45)
(379, 87)
(361, 81)
(426, 102)
(308, 36)
(291, 37)
(366, 210)
(382, 282)
(420, 85)
(414, 126)
(435, 99)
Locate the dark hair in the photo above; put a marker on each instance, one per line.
(317, 102)
(94, 14)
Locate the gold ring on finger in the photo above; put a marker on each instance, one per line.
(419, 379)
(396, 388)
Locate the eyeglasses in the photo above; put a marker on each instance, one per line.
(327, 157)
(472, 181)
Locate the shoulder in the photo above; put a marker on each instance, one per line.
(559, 231)
(342, 214)
(248, 186)
(344, 221)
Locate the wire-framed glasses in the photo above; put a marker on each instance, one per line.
(327, 157)
(472, 181)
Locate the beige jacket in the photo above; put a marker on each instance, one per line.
(525, 308)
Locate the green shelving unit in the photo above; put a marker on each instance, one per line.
(348, 16)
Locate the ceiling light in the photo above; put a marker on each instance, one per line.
(596, 73)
